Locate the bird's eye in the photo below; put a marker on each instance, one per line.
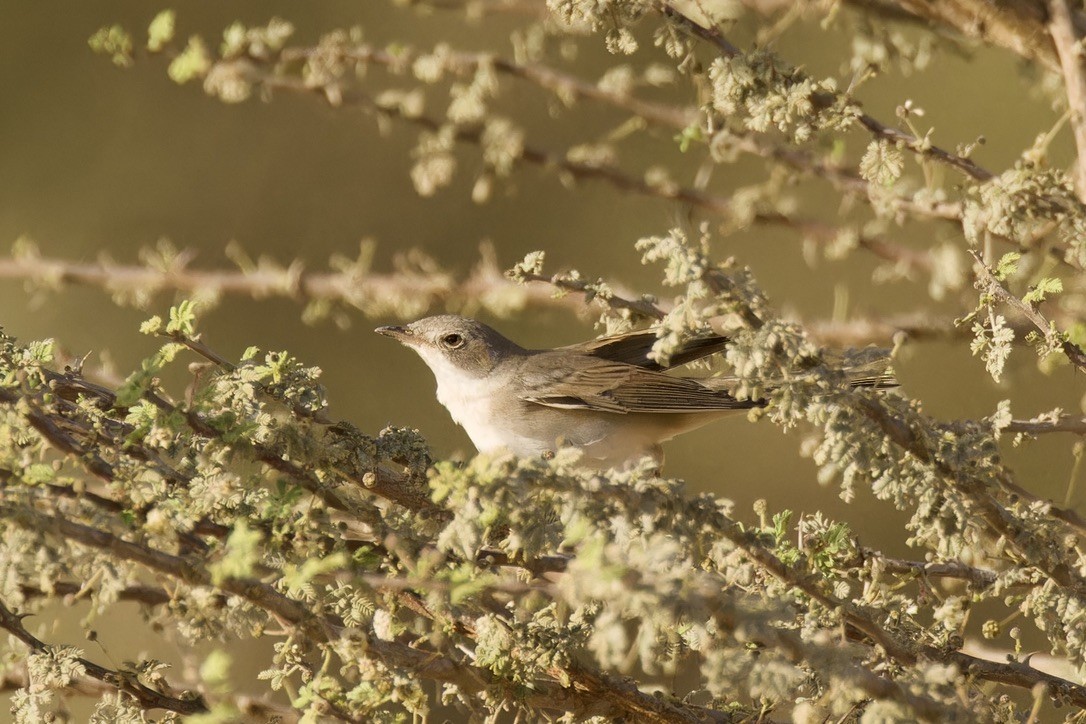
(452, 341)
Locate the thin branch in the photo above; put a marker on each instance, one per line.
(992, 286)
(123, 681)
(581, 170)
(978, 577)
(825, 100)
(1075, 424)
(355, 288)
(1018, 25)
(476, 8)
(147, 595)
(1012, 673)
(440, 292)
(323, 628)
(676, 118)
(1068, 44)
(565, 85)
(254, 709)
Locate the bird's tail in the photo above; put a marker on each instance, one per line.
(870, 368)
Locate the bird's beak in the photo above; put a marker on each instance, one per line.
(402, 334)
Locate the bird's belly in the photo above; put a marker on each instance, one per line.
(620, 440)
(489, 429)
(607, 439)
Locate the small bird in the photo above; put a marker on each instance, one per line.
(606, 397)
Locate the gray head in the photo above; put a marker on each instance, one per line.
(449, 342)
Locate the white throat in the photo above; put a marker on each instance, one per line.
(468, 398)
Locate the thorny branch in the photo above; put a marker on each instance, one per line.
(124, 681)
(373, 292)
(1018, 25)
(322, 628)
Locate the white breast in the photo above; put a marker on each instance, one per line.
(469, 400)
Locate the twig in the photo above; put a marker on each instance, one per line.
(563, 84)
(993, 286)
(147, 595)
(1075, 424)
(126, 682)
(714, 204)
(352, 288)
(1015, 674)
(826, 100)
(978, 577)
(322, 628)
(1069, 48)
(674, 117)
(438, 292)
(1014, 24)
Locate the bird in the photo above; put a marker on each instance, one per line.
(608, 396)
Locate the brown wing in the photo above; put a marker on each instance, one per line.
(633, 349)
(580, 382)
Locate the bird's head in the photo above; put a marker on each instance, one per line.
(452, 344)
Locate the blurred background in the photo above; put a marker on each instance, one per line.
(101, 161)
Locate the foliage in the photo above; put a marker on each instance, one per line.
(232, 508)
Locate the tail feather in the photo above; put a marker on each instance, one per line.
(865, 368)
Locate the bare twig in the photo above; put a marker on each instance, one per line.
(619, 179)
(1075, 424)
(436, 292)
(978, 577)
(1018, 25)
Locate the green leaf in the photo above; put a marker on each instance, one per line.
(160, 31)
(242, 554)
(42, 351)
(215, 671)
(1077, 334)
(688, 137)
(152, 326)
(193, 62)
(130, 392)
(115, 42)
(1008, 265)
(38, 473)
(182, 319)
(296, 577)
(1046, 286)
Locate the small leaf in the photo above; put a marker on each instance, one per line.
(115, 42)
(1008, 265)
(182, 319)
(1046, 286)
(152, 326)
(160, 31)
(882, 164)
(194, 62)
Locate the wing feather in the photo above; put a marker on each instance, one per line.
(588, 383)
(633, 348)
